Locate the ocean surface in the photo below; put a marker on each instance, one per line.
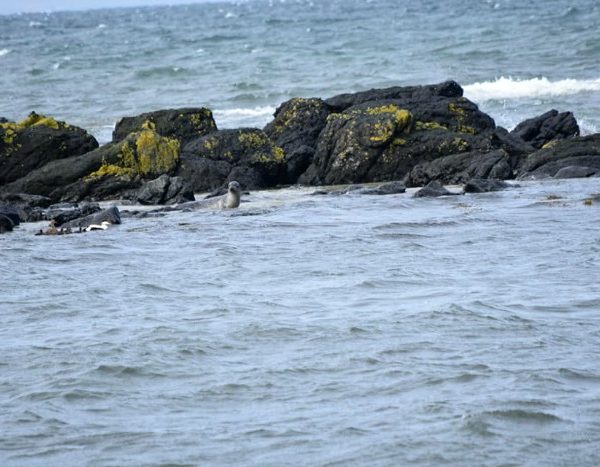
(299, 329)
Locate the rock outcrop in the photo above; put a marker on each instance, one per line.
(247, 155)
(37, 140)
(579, 156)
(550, 126)
(165, 190)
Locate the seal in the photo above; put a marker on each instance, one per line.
(229, 200)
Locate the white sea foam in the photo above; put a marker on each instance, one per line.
(4, 52)
(232, 118)
(510, 88)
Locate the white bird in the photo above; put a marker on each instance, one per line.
(103, 226)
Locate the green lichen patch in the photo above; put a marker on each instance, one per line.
(461, 116)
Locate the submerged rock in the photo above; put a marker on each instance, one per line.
(478, 185)
(37, 140)
(110, 215)
(433, 189)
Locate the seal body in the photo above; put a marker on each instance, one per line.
(229, 200)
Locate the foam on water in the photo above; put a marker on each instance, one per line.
(513, 88)
(4, 52)
(256, 116)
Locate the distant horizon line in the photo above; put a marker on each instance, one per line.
(141, 4)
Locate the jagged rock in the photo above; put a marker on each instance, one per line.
(449, 89)
(581, 151)
(547, 127)
(182, 124)
(111, 215)
(384, 139)
(165, 190)
(111, 171)
(433, 189)
(247, 155)
(36, 141)
(6, 224)
(12, 212)
(63, 214)
(479, 185)
(295, 128)
(459, 168)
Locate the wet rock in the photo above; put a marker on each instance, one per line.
(573, 171)
(165, 190)
(111, 215)
(295, 128)
(433, 189)
(550, 126)
(12, 212)
(581, 151)
(66, 213)
(114, 170)
(460, 168)
(182, 124)
(478, 185)
(390, 188)
(36, 141)
(247, 155)
(6, 224)
(384, 139)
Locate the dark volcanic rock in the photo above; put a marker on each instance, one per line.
(6, 224)
(12, 212)
(247, 155)
(342, 102)
(581, 151)
(182, 124)
(296, 127)
(165, 190)
(479, 185)
(111, 171)
(390, 188)
(459, 168)
(547, 127)
(433, 189)
(36, 141)
(111, 215)
(384, 139)
(573, 171)
(63, 214)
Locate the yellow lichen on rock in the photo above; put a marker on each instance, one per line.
(461, 115)
(550, 144)
(156, 154)
(254, 139)
(419, 125)
(12, 129)
(402, 117)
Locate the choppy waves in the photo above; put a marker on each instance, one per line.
(511, 88)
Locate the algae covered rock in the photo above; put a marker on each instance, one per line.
(295, 128)
(247, 153)
(111, 171)
(36, 141)
(181, 124)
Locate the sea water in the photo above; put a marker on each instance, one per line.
(300, 329)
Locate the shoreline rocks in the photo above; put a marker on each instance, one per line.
(417, 134)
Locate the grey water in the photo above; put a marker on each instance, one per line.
(310, 330)
(299, 329)
(242, 59)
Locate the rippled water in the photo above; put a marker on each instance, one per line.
(310, 330)
(242, 59)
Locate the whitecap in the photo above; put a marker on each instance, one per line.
(101, 26)
(56, 66)
(4, 52)
(230, 15)
(510, 88)
(35, 24)
(255, 116)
